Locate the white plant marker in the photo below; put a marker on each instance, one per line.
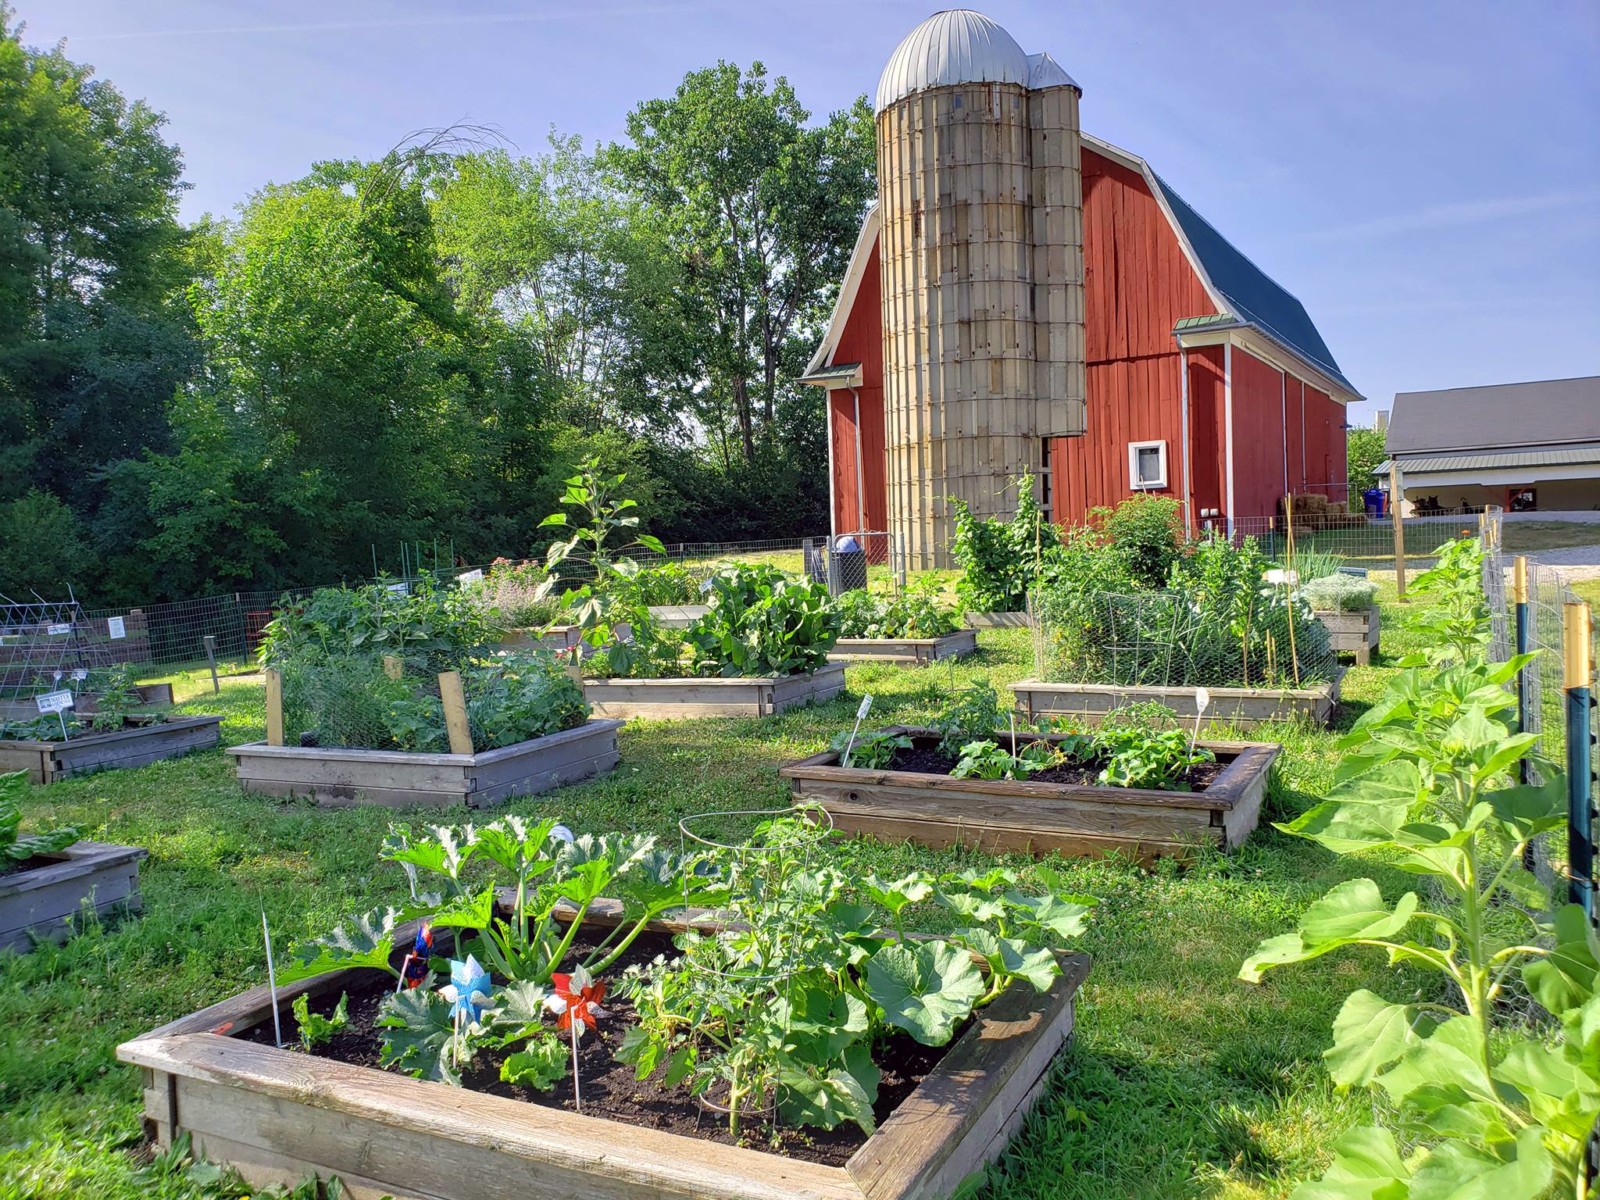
(1202, 701)
(861, 715)
(272, 981)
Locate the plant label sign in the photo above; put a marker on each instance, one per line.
(51, 702)
(473, 576)
(116, 627)
(80, 674)
(57, 630)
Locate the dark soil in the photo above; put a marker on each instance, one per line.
(609, 1087)
(929, 760)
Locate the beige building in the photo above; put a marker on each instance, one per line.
(1528, 447)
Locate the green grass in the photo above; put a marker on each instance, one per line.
(1181, 1082)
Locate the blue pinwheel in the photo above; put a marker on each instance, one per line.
(469, 989)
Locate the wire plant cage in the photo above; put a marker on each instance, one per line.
(45, 647)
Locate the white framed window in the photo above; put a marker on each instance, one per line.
(1147, 465)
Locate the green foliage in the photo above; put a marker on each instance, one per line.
(917, 612)
(663, 583)
(872, 751)
(314, 1028)
(424, 624)
(714, 1020)
(1000, 560)
(761, 622)
(1142, 749)
(514, 596)
(988, 760)
(115, 697)
(1146, 533)
(541, 1064)
(972, 713)
(15, 846)
(1339, 593)
(1427, 781)
(1456, 623)
(42, 547)
(1364, 450)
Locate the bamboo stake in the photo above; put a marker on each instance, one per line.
(1396, 504)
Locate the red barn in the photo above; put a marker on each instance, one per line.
(1204, 379)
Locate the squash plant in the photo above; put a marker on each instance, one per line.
(917, 612)
(780, 1012)
(762, 622)
(1486, 1107)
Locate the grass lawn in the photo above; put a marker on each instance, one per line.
(1182, 1082)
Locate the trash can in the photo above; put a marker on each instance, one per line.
(847, 565)
(1373, 500)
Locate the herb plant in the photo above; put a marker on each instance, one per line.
(15, 846)
(1486, 1105)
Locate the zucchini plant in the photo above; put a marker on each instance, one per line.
(17, 847)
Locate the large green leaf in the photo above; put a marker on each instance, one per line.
(1353, 911)
(1366, 1166)
(364, 941)
(1451, 1055)
(417, 1029)
(541, 1064)
(1368, 1034)
(1455, 1170)
(1567, 976)
(926, 989)
(1012, 956)
(466, 912)
(824, 1100)
(896, 894)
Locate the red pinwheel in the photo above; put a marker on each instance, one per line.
(577, 996)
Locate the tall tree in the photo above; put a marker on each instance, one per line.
(92, 337)
(762, 210)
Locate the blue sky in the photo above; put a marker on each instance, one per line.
(1425, 176)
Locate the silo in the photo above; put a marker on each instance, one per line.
(973, 379)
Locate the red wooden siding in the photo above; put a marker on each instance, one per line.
(1137, 285)
(1294, 404)
(1207, 447)
(1325, 445)
(1258, 437)
(862, 342)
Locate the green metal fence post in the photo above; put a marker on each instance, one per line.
(1580, 816)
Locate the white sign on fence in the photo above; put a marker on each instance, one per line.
(400, 589)
(80, 673)
(53, 630)
(116, 627)
(473, 576)
(53, 701)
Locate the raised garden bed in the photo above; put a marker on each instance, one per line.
(998, 620)
(1241, 707)
(736, 696)
(1040, 815)
(135, 745)
(560, 637)
(906, 650)
(678, 616)
(338, 778)
(1353, 633)
(43, 898)
(279, 1116)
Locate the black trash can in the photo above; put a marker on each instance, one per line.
(847, 565)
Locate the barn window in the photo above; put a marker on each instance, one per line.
(1147, 465)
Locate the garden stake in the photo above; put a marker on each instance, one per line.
(861, 715)
(577, 1097)
(1202, 701)
(272, 981)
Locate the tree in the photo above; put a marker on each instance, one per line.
(1364, 451)
(762, 211)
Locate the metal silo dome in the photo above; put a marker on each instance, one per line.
(952, 47)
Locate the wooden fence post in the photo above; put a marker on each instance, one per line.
(455, 712)
(274, 706)
(1396, 505)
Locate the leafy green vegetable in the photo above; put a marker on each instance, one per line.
(314, 1028)
(15, 846)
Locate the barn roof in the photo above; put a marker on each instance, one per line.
(1253, 295)
(1500, 418)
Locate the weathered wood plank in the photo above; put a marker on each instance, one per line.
(909, 650)
(945, 1129)
(753, 696)
(1244, 707)
(134, 746)
(433, 1137)
(44, 901)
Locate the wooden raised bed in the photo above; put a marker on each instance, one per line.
(339, 778)
(906, 650)
(135, 746)
(1005, 815)
(678, 616)
(1353, 632)
(998, 620)
(560, 637)
(1241, 707)
(43, 901)
(738, 696)
(279, 1116)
